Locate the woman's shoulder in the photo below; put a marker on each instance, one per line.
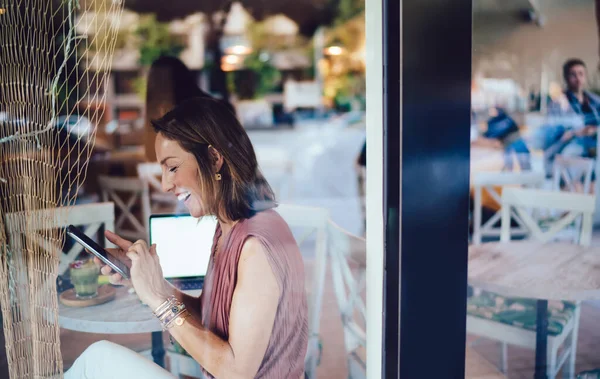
(269, 227)
(265, 219)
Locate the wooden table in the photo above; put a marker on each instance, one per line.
(530, 269)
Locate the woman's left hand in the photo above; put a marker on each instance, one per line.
(146, 274)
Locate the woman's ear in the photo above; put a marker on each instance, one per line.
(216, 158)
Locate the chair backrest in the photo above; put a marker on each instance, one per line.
(574, 172)
(348, 255)
(136, 193)
(313, 221)
(157, 200)
(490, 181)
(574, 205)
(277, 166)
(90, 216)
(150, 174)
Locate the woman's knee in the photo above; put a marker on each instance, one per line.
(100, 348)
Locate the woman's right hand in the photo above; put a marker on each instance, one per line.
(120, 253)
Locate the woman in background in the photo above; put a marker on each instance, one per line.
(169, 83)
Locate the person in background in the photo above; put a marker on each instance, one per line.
(577, 141)
(169, 83)
(503, 132)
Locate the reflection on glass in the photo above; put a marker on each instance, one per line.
(296, 85)
(535, 113)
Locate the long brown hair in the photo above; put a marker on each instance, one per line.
(201, 122)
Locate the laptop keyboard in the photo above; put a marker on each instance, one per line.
(186, 285)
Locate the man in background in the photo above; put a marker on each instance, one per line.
(578, 141)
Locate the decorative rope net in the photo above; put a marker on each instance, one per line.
(54, 59)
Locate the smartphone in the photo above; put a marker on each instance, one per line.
(114, 263)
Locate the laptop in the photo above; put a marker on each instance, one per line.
(184, 246)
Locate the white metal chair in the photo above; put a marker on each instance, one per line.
(573, 171)
(572, 174)
(113, 188)
(521, 201)
(308, 221)
(157, 201)
(488, 181)
(277, 166)
(348, 255)
(150, 174)
(92, 216)
(311, 221)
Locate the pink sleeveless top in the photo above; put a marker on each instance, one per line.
(284, 357)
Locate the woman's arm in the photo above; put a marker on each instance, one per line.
(253, 310)
(192, 303)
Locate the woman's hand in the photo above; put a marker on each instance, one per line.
(146, 274)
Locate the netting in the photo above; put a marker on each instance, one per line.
(55, 56)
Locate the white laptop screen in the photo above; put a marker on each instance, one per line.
(183, 244)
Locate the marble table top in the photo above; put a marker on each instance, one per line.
(123, 315)
(531, 269)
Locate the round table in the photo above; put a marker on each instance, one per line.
(123, 315)
(531, 269)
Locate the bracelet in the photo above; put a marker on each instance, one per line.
(169, 311)
(164, 306)
(173, 312)
(178, 319)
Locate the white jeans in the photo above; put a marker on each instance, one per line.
(107, 360)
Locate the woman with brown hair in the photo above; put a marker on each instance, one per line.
(251, 319)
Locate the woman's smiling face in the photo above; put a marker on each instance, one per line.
(180, 174)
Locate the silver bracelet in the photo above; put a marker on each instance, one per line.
(164, 306)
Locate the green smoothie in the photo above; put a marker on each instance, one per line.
(84, 276)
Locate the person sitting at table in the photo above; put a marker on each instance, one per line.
(503, 133)
(577, 101)
(169, 83)
(251, 319)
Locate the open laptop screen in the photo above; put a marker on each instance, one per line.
(183, 244)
